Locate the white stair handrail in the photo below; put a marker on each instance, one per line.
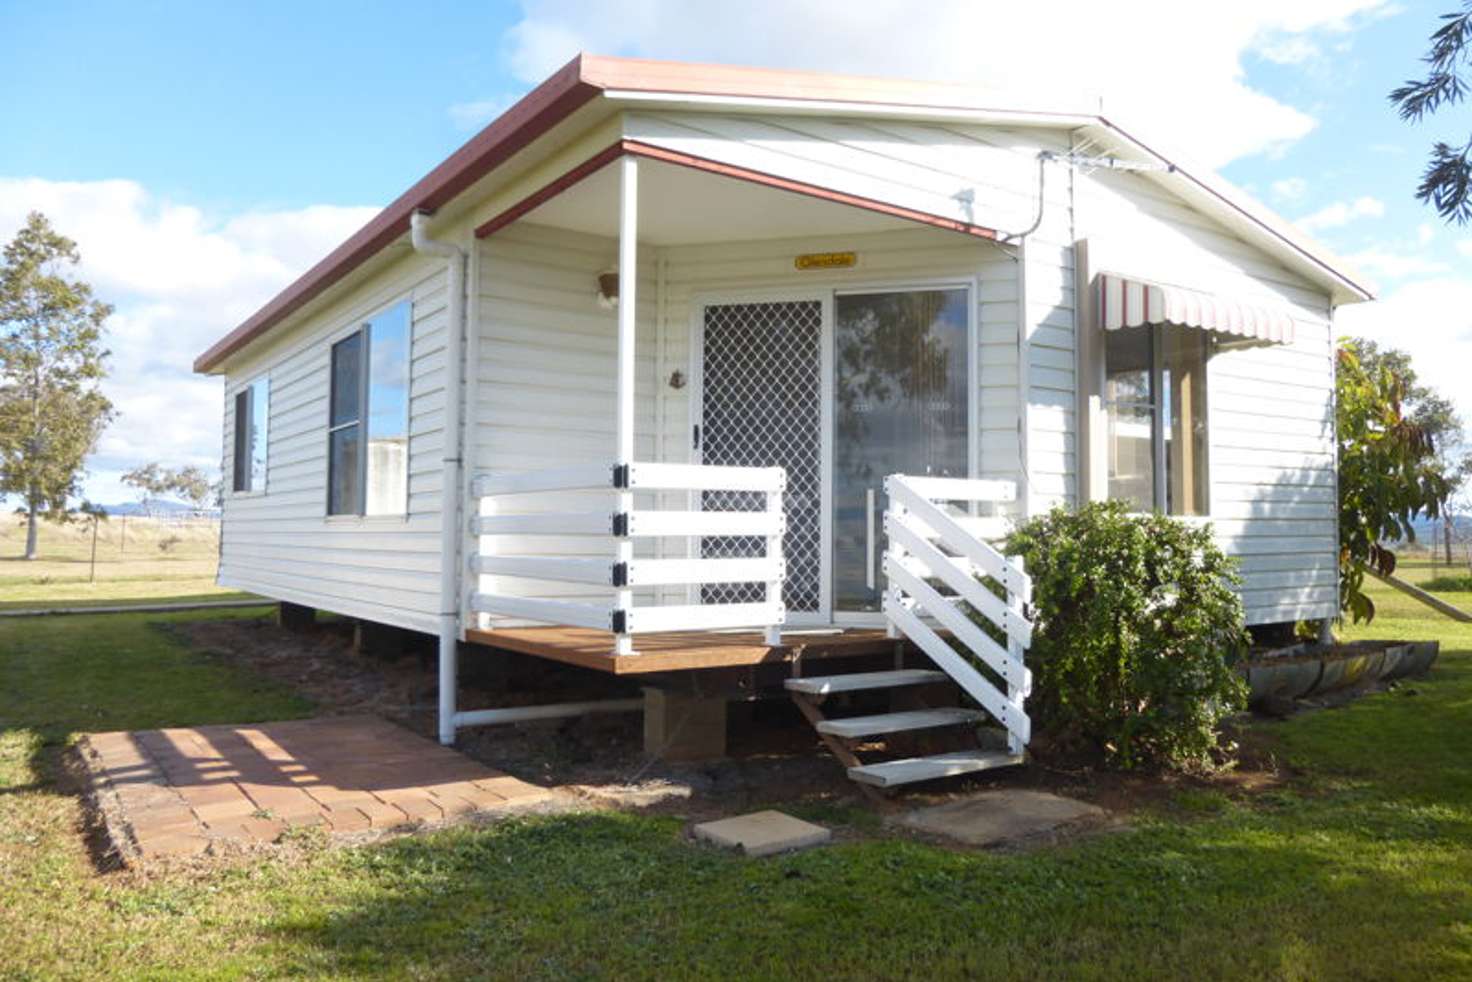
(926, 543)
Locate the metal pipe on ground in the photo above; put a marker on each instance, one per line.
(559, 710)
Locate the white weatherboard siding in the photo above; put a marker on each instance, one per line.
(985, 175)
(544, 383)
(540, 361)
(1270, 407)
(280, 543)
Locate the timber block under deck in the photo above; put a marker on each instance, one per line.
(680, 726)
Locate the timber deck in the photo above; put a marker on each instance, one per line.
(681, 650)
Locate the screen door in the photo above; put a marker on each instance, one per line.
(762, 406)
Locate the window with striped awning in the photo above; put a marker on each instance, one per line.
(1130, 302)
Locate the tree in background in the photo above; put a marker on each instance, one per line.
(1389, 471)
(1438, 417)
(97, 515)
(51, 363)
(194, 486)
(151, 481)
(154, 482)
(1447, 181)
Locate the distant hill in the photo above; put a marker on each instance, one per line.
(1429, 529)
(155, 508)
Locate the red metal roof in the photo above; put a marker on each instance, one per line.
(578, 82)
(574, 85)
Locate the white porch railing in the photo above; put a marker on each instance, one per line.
(622, 571)
(933, 563)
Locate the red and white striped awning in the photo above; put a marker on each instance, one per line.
(1126, 302)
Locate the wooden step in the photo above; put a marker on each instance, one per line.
(824, 684)
(911, 769)
(917, 719)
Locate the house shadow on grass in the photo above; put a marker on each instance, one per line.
(1310, 885)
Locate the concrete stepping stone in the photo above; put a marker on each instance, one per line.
(762, 833)
(990, 818)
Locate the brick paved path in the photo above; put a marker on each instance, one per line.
(173, 791)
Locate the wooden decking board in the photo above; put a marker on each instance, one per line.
(678, 651)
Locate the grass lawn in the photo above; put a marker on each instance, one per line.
(1361, 867)
(138, 560)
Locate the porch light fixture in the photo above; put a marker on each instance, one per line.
(608, 288)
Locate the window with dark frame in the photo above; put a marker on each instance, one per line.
(248, 460)
(368, 423)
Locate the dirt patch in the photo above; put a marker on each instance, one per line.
(775, 759)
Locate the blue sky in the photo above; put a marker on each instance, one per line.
(205, 154)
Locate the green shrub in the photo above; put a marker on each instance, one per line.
(1449, 584)
(1137, 632)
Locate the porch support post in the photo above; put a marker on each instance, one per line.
(628, 281)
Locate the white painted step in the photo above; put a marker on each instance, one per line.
(893, 772)
(915, 719)
(824, 684)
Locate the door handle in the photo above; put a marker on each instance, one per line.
(869, 538)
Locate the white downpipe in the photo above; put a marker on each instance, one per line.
(450, 485)
(628, 281)
(559, 710)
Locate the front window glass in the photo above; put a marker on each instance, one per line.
(368, 428)
(1155, 404)
(388, 413)
(901, 407)
(252, 411)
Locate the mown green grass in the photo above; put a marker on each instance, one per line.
(1361, 866)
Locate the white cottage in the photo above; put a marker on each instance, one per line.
(676, 368)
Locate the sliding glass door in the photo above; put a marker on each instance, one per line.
(900, 405)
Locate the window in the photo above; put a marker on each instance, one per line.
(1155, 399)
(368, 424)
(252, 410)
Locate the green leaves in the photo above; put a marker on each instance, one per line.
(1389, 471)
(1138, 630)
(51, 360)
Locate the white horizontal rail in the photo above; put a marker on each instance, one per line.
(928, 560)
(676, 572)
(597, 572)
(622, 615)
(653, 523)
(544, 523)
(997, 658)
(599, 617)
(1008, 713)
(584, 477)
(962, 489)
(987, 558)
(702, 617)
(704, 477)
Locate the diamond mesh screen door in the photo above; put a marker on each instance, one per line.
(762, 407)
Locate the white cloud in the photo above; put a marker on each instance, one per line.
(1176, 67)
(1432, 320)
(179, 280)
(1465, 247)
(1341, 213)
(1396, 265)
(470, 116)
(1288, 189)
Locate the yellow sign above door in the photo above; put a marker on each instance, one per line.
(826, 260)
